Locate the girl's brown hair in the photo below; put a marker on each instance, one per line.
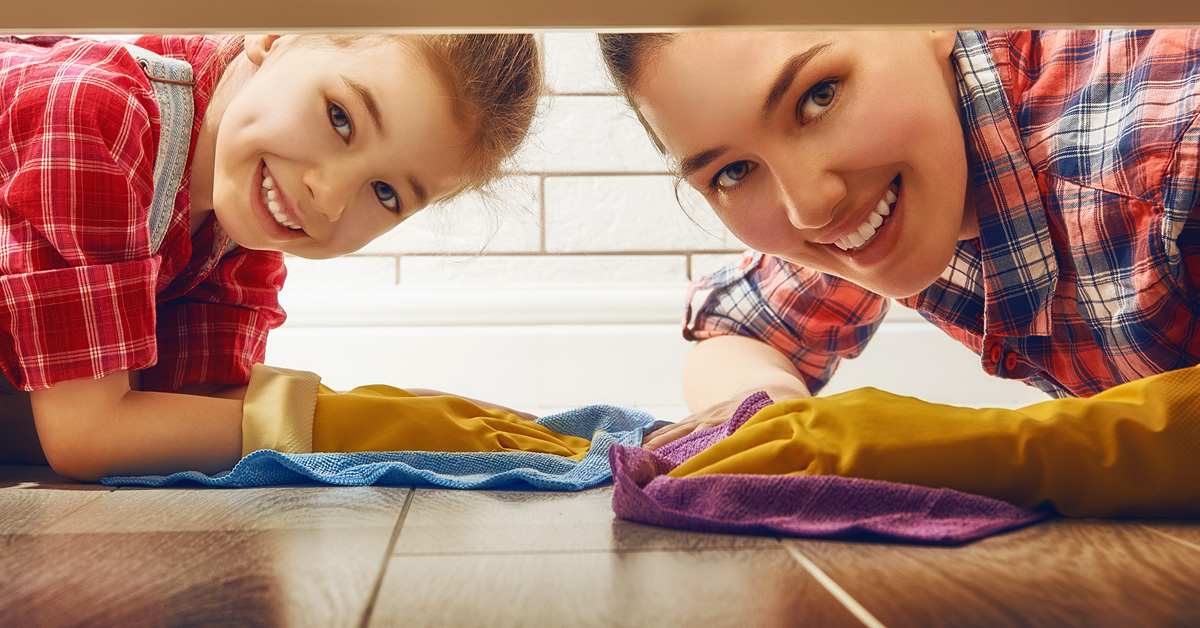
(495, 81)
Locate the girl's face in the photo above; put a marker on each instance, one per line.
(842, 152)
(316, 149)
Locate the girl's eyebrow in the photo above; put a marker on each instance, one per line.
(418, 191)
(787, 75)
(368, 101)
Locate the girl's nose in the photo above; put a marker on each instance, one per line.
(328, 189)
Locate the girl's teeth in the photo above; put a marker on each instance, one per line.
(272, 201)
(889, 196)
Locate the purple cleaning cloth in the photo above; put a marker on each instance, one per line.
(796, 505)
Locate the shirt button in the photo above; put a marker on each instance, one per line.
(994, 352)
(1010, 361)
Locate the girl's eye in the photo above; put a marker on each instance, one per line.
(731, 175)
(387, 196)
(819, 98)
(340, 121)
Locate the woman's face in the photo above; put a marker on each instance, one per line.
(842, 152)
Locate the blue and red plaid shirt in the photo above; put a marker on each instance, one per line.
(1084, 150)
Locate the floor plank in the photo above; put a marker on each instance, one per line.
(1057, 573)
(760, 588)
(471, 522)
(206, 509)
(295, 556)
(34, 497)
(1186, 533)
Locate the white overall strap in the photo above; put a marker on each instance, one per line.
(172, 81)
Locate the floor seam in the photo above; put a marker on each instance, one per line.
(1184, 542)
(387, 558)
(851, 604)
(536, 552)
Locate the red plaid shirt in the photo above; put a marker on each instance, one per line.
(1084, 148)
(82, 294)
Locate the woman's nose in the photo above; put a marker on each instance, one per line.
(809, 196)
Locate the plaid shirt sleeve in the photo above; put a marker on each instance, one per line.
(218, 330)
(77, 281)
(813, 318)
(82, 294)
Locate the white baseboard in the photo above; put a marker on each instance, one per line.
(549, 349)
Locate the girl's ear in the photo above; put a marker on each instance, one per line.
(258, 47)
(943, 42)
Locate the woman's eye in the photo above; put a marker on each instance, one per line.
(731, 175)
(817, 100)
(387, 196)
(340, 121)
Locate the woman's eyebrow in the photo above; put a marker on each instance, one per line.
(783, 82)
(368, 101)
(698, 161)
(787, 75)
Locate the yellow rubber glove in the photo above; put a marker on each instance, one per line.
(282, 407)
(1131, 450)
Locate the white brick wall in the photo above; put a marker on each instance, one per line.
(558, 290)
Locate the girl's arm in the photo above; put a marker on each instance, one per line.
(719, 374)
(91, 429)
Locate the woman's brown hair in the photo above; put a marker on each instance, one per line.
(625, 56)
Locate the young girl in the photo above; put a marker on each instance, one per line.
(148, 192)
(1033, 194)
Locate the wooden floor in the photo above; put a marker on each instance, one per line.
(86, 555)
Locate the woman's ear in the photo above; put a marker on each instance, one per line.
(258, 47)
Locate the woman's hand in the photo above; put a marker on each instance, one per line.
(717, 414)
(719, 374)
(711, 416)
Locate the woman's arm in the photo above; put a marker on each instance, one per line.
(719, 374)
(90, 429)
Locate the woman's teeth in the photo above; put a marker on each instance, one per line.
(271, 199)
(866, 231)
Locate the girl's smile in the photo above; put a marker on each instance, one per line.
(315, 148)
(274, 214)
(273, 199)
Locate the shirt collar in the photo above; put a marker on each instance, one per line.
(1020, 272)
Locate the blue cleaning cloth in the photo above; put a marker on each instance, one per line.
(603, 424)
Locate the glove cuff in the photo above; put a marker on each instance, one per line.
(277, 412)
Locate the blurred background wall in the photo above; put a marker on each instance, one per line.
(565, 285)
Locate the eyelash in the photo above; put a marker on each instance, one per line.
(339, 120)
(714, 185)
